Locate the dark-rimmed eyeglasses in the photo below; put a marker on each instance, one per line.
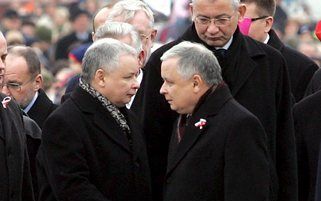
(259, 18)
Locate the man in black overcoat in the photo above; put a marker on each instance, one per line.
(257, 77)
(15, 182)
(92, 146)
(23, 82)
(218, 148)
(301, 68)
(307, 126)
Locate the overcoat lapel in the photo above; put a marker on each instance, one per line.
(107, 125)
(247, 66)
(101, 118)
(211, 106)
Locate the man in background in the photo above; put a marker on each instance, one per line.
(300, 67)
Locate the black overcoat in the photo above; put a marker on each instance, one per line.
(15, 178)
(307, 117)
(226, 160)
(314, 84)
(301, 68)
(85, 156)
(258, 79)
(39, 112)
(42, 108)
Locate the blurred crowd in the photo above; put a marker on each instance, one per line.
(57, 28)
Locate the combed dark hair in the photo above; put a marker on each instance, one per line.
(265, 7)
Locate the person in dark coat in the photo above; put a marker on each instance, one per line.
(15, 182)
(318, 182)
(92, 146)
(306, 115)
(218, 148)
(301, 68)
(257, 77)
(314, 84)
(80, 21)
(23, 82)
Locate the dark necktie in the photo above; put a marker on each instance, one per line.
(220, 54)
(181, 127)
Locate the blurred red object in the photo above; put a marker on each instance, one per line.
(318, 30)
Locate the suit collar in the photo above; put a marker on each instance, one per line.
(42, 107)
(275, 40)
(211, 106)
(100, 116)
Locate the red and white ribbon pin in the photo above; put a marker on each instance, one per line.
(5, 101)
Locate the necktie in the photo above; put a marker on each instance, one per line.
(181, 127)
(220, 54)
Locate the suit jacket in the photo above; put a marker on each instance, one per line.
(301, 68)
(258, 79)
(307, 117)
(15, 182)
(39, 112)
(314, 84)
(226, 160)
(85, 156)
(42, 108)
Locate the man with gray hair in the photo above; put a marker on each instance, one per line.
(92, 147)
(213, 155)
(138, 14)
(123, 32)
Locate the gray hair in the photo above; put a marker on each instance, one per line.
(118, 30)
(235, 3)
(104, 54)
(128, 8)
(194, 58)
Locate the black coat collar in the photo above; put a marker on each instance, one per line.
(105, 122)
(275, 41)
(210, 106)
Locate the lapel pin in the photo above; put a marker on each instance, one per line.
(5, 101)
(201, 123)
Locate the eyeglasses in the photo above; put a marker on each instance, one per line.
(15, 86)
(258, 18)
(219, 22)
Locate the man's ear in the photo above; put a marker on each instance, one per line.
(93, 36)
(241, 11)
(99, 77)
(38, 82)
(141, 59)
(197, 83)
(268, 24)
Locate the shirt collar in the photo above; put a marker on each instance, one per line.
(227, 45)
(267, 39)
(26, 110)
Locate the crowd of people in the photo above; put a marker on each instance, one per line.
(104, 101)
